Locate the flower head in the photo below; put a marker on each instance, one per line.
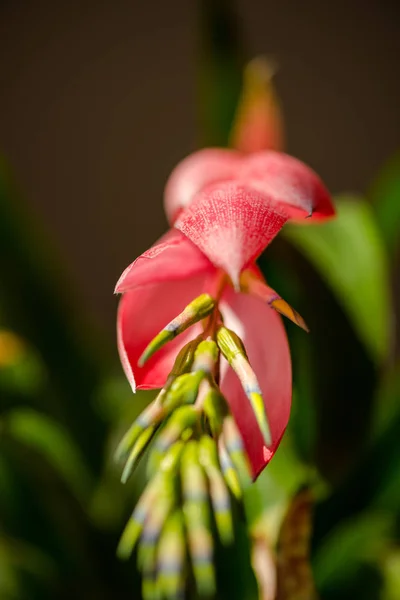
(225, 207)
(198, 320)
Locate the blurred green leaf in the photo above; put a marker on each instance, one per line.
(353, 542)
(20, 555)
(53, 442)
(385, 197)
(374, 482)
(36, 303)
(275, 486)
(21, 369)
(220, 70)
(387, 402)
(349, 254)
(391, 570)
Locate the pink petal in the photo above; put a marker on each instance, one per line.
(258, 123)
(264, 337)
(232, 224)
(195, 172)
(290, 182)
(172, 257)
(142, 313)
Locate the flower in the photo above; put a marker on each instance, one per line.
(201, 279)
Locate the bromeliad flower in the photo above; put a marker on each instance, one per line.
(198, 320)
(200, 281)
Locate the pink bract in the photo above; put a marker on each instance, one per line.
(285, 180)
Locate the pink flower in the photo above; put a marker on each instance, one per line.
(224, 207)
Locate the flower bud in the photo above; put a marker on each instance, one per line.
(150, 416)
(184, 390)
(197, 519)
(219, 494)
(235, 448)
(253, 285)
(133, 529)
(184, 360)
(205, 357)
(199, 308)
(229, 471)
(171, 558)
(215, 409)
(137, 452)
(232, 348)
(184, 417)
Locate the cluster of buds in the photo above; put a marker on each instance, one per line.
(197, 464)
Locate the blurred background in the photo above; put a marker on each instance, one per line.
(98, 102)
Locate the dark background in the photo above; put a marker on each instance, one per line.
(97, 105)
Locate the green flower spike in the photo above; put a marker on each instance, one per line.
(232, 348)
(197, 310)
(197, 519)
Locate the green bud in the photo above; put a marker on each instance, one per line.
(167, 472)
(232, 348)
(162, 506)
(150, 589)
(215, 409)
(205, 357)
(257, 404)
(219, 493)
(184, 360)
(236, 451)
(229, 471)
(199, 308)
(150, 416)
(171, 558)
(184, 417)
(197, 519)
(171, 460)
(137, 452)
(184, 390)
(134, 526)
(230, 344)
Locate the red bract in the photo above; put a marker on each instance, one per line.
(225, 209)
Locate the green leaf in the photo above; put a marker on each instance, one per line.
(386, 406)
(355, 541)
(349, 254)
(37, 304)
(273, 489)
(52, 441)
(391, 569)
(385, 197)
(220, 70)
